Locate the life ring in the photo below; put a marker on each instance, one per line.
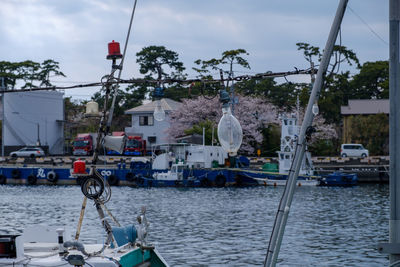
(3, 179)
(31, 179)
(205, 182)
(220, 180)
(15, 173)
(130, 176)
(52, 176)
(112, 180)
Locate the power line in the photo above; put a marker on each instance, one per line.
(169, 80)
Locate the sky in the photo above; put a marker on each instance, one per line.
(75, 33)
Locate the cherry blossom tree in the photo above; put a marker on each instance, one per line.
(254, 114)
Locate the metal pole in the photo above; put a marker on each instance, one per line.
(204, 136)
(284, 205)
(3, 88)
(394, 132)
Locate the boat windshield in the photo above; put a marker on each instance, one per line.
(132, 143)
(81, 143)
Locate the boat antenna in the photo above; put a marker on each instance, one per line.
(115, 88)
(287, 196)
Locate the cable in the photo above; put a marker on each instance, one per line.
(169, 80)
(366, 24)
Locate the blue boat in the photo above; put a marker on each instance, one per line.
(339, 179)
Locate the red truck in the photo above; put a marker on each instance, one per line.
(84, 144)
(135, 146)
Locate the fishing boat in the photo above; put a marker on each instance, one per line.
(289, 135)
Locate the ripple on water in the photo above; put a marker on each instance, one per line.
(223, 226)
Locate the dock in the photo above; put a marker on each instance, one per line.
(374, 169)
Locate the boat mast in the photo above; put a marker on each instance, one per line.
(393, 247)
(286, 200)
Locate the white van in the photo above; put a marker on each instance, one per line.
(353, 150)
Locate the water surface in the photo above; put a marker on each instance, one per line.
(223, 226)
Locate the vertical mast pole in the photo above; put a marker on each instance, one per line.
(284, 205)
(394, 132)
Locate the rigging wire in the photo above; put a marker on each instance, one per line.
(369, 27)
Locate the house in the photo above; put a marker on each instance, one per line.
(144, 124)
(361, 107)
(33, 119)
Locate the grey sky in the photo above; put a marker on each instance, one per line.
(76, 32)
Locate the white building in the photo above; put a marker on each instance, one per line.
(144, 124)
(33, 118)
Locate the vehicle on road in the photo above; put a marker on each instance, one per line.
(353, 150)
(31, 152)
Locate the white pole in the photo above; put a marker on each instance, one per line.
(212, 136)
(286, 200)
(204, 136)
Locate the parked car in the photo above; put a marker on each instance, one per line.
(353, 150)
(31, 152)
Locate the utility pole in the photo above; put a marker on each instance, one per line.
(286, 200)
(393, 247)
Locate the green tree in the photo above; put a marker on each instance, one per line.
(336, 87)
(224, 64)
(371, 131)
(31, 74)
(208, 126)
(153, 62)
(372, 81)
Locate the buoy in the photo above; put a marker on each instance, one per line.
(3, 179)
(15, 173)
(31, 179)
(112, 180)
(52, 176)
(220, 180)
(130, 176)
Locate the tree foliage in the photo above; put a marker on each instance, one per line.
(158, 63)
(29, 73)
(371, 131)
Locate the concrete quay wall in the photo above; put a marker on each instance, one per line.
(373, 169)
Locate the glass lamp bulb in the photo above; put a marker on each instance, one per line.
(315, 109)
(159, 113)
(230, 132)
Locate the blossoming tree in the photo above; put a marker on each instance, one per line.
(252, 113)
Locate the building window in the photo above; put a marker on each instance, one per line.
(146, 120)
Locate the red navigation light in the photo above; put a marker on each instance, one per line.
(79, 167)
(113, 50)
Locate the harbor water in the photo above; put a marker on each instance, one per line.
(327, 226)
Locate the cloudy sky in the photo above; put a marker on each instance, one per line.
(76, 32)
